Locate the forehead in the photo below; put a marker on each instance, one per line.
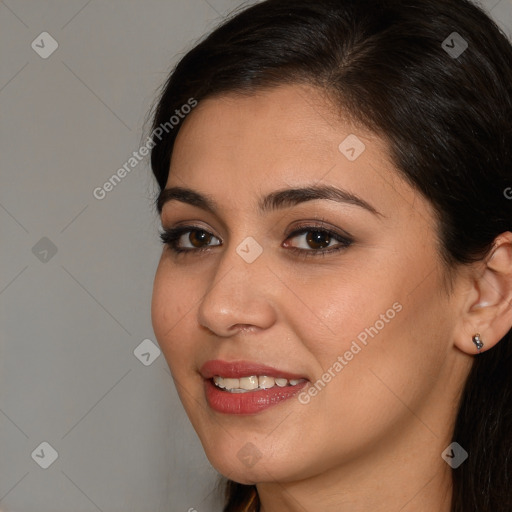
(279, 118)
(242, 147)
(281, 131)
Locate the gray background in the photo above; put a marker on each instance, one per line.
(71, 321)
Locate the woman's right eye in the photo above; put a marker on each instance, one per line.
(172, 237)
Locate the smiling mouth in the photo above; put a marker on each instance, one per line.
(252, 383)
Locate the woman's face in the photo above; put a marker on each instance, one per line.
(368, 326)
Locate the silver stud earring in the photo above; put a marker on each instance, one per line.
(477, 341)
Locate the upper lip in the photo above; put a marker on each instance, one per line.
(238, 369)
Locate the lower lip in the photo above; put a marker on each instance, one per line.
(251, 402)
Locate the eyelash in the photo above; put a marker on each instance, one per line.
(170, 237)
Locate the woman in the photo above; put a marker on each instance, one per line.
(334, 296)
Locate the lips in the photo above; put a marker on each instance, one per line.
(249, 402)
(238, 369)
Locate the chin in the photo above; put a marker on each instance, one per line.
(249, 465)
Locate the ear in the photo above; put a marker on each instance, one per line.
(487, 309)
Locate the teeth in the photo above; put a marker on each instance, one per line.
(249, 382)
(266, 382)
(252, 382)
(231, 383)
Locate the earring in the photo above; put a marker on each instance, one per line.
(477, 341)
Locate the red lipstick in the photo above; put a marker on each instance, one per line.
(249, 402)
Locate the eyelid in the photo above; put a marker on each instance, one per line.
(322, 226)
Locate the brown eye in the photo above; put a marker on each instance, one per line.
(199, 237)
(314, 241)
(318, 239)
(187, 239)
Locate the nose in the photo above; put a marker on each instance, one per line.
(239, 296)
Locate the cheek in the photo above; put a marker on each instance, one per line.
(329, 310)
(392, 349)
(386, 327)
(171, 308)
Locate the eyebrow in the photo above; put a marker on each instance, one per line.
(276, 200)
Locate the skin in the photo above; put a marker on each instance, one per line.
(372, 438)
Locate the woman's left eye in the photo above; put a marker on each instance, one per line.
(316, 241)
(320, 240)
